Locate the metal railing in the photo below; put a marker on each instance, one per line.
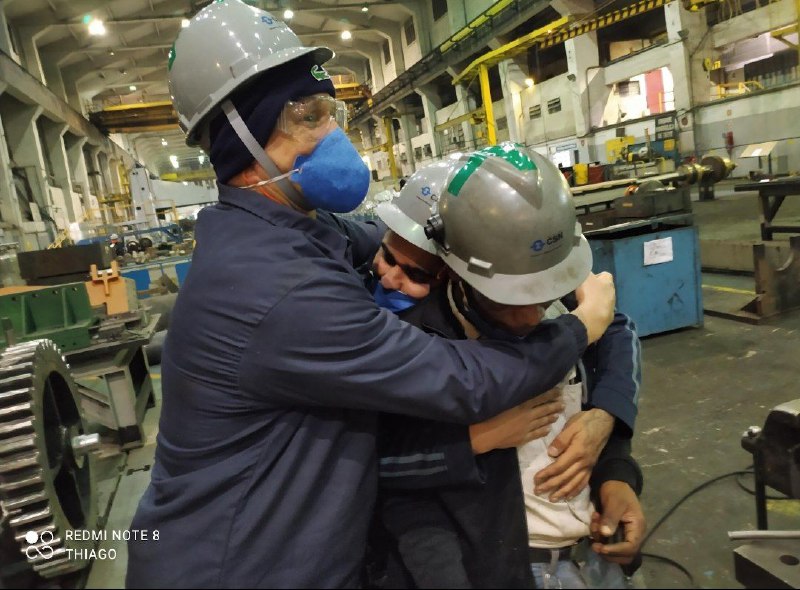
(756, 84)
(453, 50)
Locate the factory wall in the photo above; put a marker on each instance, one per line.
(754, 118)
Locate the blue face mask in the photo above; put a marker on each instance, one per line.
(333, 177)
(394, 301)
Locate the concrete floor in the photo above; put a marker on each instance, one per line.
(702, 388)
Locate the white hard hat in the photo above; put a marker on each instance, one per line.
(505, 223)
(114, 237)
(225, 45)
(408, 212)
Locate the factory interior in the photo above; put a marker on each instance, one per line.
(676, 124)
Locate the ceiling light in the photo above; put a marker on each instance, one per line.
(529, 82)
(184, 23)
(111, 52)
(346, 35)
(174, 161)
(288, 14)
(97, 28)
(202, 159)
(132, 88)
(365, 8)
(163, 142)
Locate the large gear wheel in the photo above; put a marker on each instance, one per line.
(46, 489)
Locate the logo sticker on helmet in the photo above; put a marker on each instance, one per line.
(267, 20)
(553, 240)
(320, 73)
(426, 191)
(509, 152)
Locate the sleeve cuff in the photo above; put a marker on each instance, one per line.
(578, 330)
(618, 470)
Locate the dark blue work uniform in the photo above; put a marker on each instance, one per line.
(276, 364)
(444, 527)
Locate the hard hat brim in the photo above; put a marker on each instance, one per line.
(529, 289)
(405, 227)
(194, 126)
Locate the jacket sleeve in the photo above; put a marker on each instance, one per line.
(415, 454)
(617, 373)
(617, 464)
(326, 343)
(364, 236)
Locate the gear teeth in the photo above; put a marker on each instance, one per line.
(34, 479)
(48, 528)
(20, 461)
(16, 444)
(23, 408)
(27, 493)
(17, 503)
(30, 517)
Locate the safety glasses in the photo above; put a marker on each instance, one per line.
(414, 273)
(313, 115)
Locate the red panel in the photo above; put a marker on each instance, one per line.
(655, 91)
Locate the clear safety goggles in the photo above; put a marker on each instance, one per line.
(313, 115)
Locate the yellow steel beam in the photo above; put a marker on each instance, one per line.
(509, 50)
(139, 105)
(472, 117)
(488, 107)
(143, 128)
(605, 20)
(387, 126)
(374, 148)
(190, 175)
(556, 32)
(130, 118)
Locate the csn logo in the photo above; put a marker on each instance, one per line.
(44, 551)
(267, 20)
(539, 245)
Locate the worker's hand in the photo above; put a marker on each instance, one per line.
(525, 422)
(620, 506)
(577, 447)
(596, 299)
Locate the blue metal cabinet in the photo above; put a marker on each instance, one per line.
(658, 297)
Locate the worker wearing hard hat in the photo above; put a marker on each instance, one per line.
(117, 245)
(277, 359)
(479, 279)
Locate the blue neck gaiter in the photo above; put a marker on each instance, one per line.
(394, 301)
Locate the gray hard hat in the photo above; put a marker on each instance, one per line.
(506, 225)
(407, 213)
(225, 45)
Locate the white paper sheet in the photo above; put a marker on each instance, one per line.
(658, 251)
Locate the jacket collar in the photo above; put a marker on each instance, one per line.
(283, 216)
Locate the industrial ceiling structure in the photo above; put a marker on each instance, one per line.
(115, 52)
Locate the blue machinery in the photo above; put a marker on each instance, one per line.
(147, 274)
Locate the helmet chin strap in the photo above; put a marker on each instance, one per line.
(258, 153)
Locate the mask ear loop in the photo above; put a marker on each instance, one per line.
(260, 156)
(272, 180)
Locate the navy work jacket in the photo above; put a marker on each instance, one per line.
(276, 364)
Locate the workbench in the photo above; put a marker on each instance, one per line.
(771, 195)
